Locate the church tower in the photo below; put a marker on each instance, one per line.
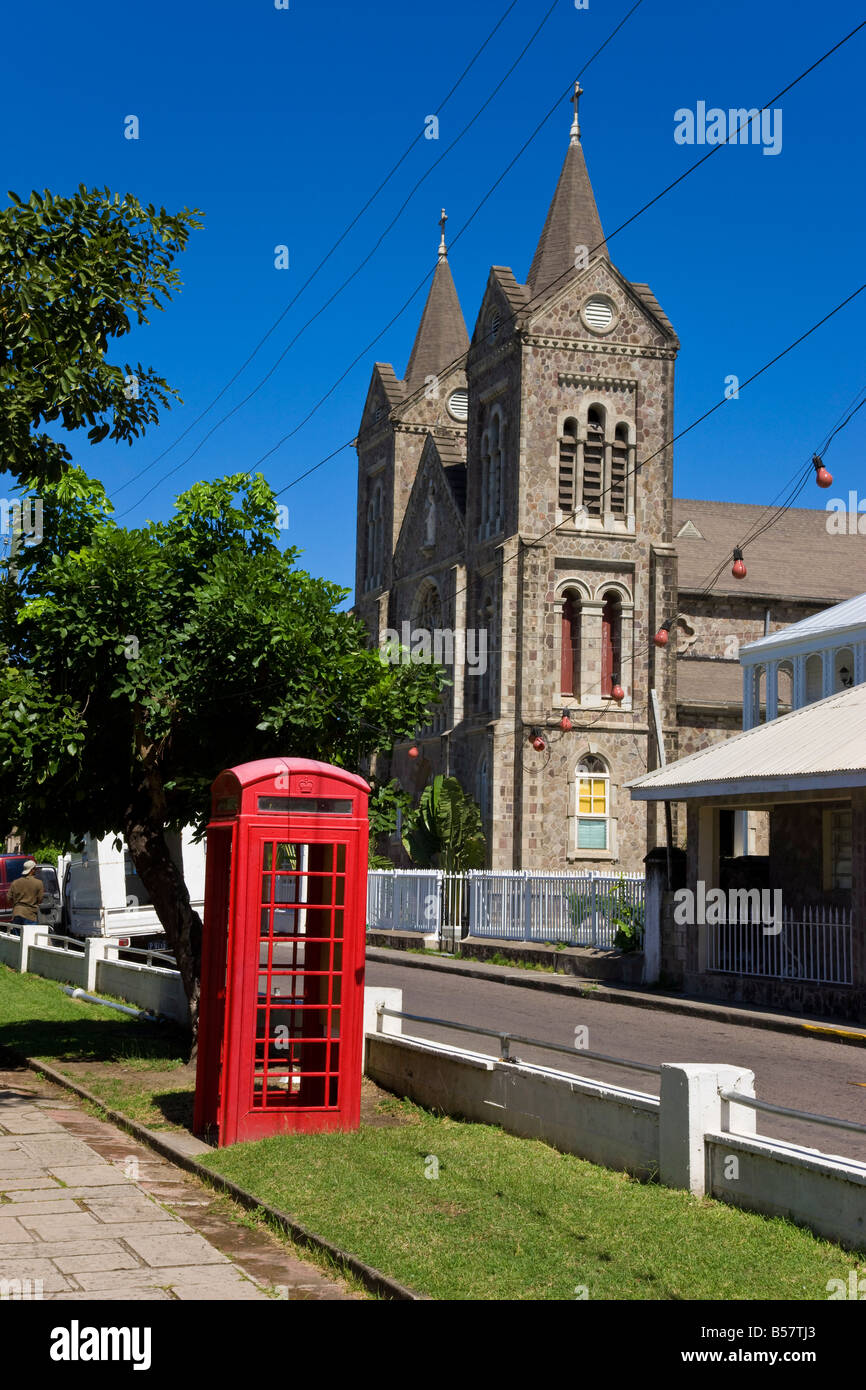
(569, 551)
(398, 416)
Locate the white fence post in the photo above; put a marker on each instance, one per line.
(527, 906)
(96, 948)
(692, 1107)
(29, 931)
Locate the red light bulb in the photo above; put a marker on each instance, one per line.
(413, 751)
(565, 723)
(738, 569)
(661, 637)
(538, 743)
(823, 478)
(617, 693)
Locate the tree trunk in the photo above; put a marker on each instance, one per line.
(170, 897)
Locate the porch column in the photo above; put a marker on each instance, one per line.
(708, 870)
(859, 662)
(798, 685)
(750, 714)
(827, 672)
(772, 690)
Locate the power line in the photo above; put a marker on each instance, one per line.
(542, 294)
(415, 292)
(323, 262)
(353, 275)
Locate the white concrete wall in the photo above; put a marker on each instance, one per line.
(54, 963)
(160, 991)
(606, 1124)
(825, 1193)
(10, 950)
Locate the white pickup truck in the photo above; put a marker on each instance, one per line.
(103, 895)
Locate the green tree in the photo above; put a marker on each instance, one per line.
(447, 832)
(140, 663)
(388, 801)
(78, 272)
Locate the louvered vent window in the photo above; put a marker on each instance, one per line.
(593, 462)
(567, 465)
(458, 404)
(619, 471)
(494, 323)
(598, 313)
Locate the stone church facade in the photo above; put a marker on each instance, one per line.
(515, 490)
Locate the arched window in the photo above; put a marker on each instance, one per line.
(482, 790)
(814, 679)
(843, 670)
(761, 691)
(618, 472)
(611, 641)
(427, 620)
(593, 460)
(593, 803)
(427, 608)
(484, 681)
(570, 680)
(491, 475)
(785, 687)
(375, 537)
(567, 466)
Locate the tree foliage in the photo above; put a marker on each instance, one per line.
(140, 663)
(79, 272)
(447, 831)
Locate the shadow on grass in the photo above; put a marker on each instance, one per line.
(94, 1040)
(176, 1107)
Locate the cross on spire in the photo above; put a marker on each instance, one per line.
(443, 249)
(575, 125)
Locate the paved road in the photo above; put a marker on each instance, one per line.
(825, 1078)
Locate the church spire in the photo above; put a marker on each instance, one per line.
(572, 219)
(442, 334)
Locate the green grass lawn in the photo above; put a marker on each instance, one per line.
(511, 1218)
(139, 1068)
(454, 1210)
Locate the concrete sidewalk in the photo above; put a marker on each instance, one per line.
(94, 1220)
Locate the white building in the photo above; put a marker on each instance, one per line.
(804, 662)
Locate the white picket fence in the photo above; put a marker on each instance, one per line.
(814, 943)
(508, 905)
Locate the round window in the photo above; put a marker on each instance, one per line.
(458, 404)
(598, 313)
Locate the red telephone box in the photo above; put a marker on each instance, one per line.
(282, 985)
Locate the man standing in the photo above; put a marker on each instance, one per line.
(25, 895)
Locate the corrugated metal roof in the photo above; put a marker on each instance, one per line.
(823, 741)
(840, 616)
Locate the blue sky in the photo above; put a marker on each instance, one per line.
(279, 124)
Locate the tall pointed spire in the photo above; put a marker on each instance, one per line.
(442, 334)
(572, 219)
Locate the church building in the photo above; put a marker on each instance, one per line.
(515, 497)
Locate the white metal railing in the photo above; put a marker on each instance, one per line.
(814, 943)
(506, 1039)
(584, 909)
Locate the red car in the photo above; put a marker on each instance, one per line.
(11, 866)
